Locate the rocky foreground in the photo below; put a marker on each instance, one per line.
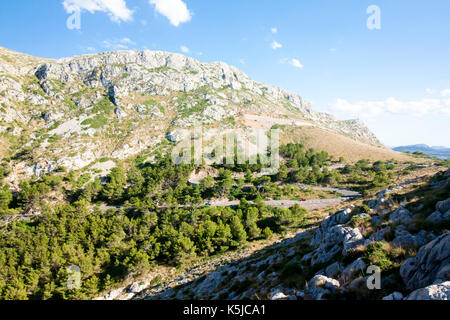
(394, 231)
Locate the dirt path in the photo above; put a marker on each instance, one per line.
(344, 192)
(269, 122)
(308, 204)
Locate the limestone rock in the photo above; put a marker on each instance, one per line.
(379, 235)
(401, 215)
(349, 273)
(443, 206)
(333, 270)
(319, 286)
(440, 291)
(394, 296)
(431, 263)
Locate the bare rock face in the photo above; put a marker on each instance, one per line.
(161, 73)
(443, 206)
(431, 263)
(339, 218)
(401, 215)
(320, 286)
(394, 296)
(352, 270)
(440, 291)
(442, 213)
(146, 94)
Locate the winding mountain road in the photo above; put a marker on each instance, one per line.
(308, 204)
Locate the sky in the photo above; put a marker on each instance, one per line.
(383, 61)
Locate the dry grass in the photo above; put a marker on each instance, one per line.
(339, 145)
(4, 147)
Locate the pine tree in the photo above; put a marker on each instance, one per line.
(238, 231)
(114, 189)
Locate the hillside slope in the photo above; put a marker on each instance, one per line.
(74, 112)
(403, 231)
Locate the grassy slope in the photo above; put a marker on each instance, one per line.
(339, 145)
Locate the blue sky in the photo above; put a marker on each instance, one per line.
(396, 79)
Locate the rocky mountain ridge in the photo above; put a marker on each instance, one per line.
(73, 112)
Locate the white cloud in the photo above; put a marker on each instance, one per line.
(430, 91)
(276, 45)
(175, 10)
(118, 44)
(293, 62)
(241, 61)
(127, 41)
(296, 63)
(367, 109)
(184, 49)
(445, 92)
(274, 30)
(116, 9)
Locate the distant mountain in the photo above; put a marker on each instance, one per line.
(437, 151)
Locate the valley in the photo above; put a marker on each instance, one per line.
(87, 180)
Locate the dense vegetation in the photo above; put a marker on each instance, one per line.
(148, 215)
(161, 220)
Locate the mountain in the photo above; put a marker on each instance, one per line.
(437, 151)
(79, 112)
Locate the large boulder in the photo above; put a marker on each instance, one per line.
(352, 270)
(333, 270)
(337, 239)
(379, 235)
(440, 291)
(443, 206)
(442, 213)
(405, 239)
(138, 286)
(401, 215)
(279, 296)
(352, 239)
(325, 255)
(438, 217)
(340, 218)
(319, 286)
(394, 296)
(431, 263)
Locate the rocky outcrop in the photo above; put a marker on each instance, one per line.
(352, 270)
(332, 238)
(394, 296)
(440, 291)
(401, 215)
(320, 286)
(442, 213)
(287, 270)
(432, 263)
(161, 73)
(405, 239)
